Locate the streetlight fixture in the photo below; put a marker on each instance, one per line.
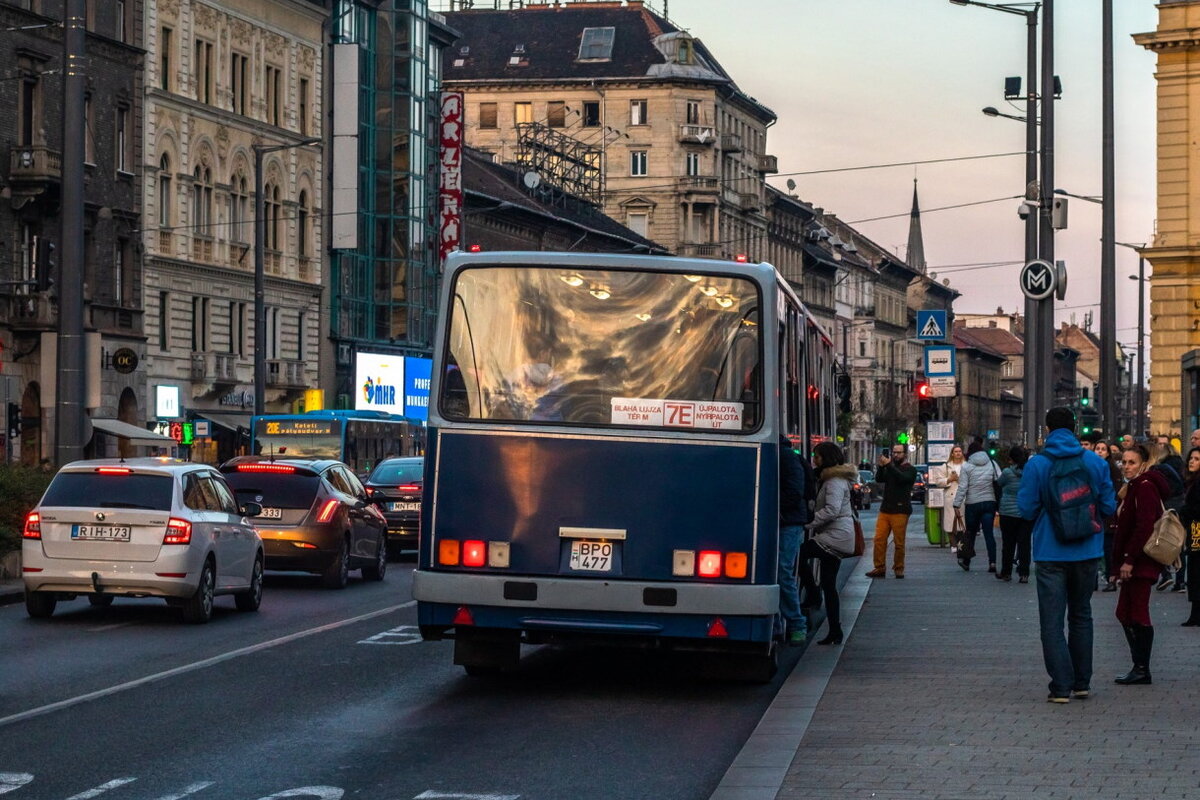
(1035, 386)
(992, 111)
(260, 247)
(1141, 349)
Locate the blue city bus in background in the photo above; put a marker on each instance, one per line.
(604, 451)
(359, 439)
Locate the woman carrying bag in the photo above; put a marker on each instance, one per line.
(831, 534)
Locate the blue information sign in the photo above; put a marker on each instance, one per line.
(417, 375)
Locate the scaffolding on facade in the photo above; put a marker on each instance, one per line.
(567, 163)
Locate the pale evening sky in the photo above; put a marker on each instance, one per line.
(861, 82)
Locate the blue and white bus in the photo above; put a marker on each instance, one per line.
(603, 460)
(360, 439)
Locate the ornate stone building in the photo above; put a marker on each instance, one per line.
(222, 78)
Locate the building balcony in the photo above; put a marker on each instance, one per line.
(749, 201)
(285, 373)
(34, 164)
(704, 184)
(731, 143)
(308, 268)
(166, 243)
(214, 368)
(202, 249)
(697, 134)
(700, 249)
(768, 163)
(274, 262)
(31, 311)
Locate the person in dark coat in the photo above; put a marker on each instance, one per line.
(1190, 516)
(1015, 530)
(1112, 456)
(1167, 462)
(1143, 505)
(793, 515)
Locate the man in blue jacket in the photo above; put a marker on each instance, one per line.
(1067, 561)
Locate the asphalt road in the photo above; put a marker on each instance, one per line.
(329, 694)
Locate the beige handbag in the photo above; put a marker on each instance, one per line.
(1166, 540)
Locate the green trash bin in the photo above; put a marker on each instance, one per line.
(933, 526)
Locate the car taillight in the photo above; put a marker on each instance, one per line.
(327, 510)
(370, 490)
(409, 487)
(113, 470)
(179, 531)
(33, 526)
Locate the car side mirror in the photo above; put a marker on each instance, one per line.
(360, 504)
(250, 509)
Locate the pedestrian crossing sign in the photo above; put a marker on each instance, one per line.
(931, 324)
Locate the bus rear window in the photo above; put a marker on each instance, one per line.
(93, 490)
(293, 490)
(603, 348)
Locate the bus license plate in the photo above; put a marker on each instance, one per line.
(406, 506)
(591, 556)
(104, 533)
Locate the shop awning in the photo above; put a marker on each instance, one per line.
(115, 427)
(228, 421)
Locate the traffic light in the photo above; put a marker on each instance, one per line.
(14, 420)
(843, 392)
(926, 405)
(45, 264)
(993, 447)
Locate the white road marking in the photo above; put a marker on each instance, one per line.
(10, 781)
(402, 634)
(101, 789)
(319, 792)
(432, 795)
(207, 662)
(99, 628)
(195, 787)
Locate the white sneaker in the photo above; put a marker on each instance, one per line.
(953, 549)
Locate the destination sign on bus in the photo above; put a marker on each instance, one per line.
(694, 414)
(299, 427)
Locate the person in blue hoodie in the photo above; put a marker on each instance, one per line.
(1066, 570)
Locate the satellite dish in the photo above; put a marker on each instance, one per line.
(531, 180)
(791, 184)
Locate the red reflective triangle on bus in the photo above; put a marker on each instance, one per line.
(463, 616)
(717, 629)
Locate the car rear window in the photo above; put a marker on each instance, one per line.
(398, 472)
(92, 490)
(272, 490)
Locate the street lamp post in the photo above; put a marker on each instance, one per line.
(1034, 387)
(1108, 249)
(260, 254)
(1141, 348)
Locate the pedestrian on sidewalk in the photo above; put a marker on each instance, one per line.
(1015, 530)
(1064, 491)
(793, 514)
(977, 494)
(832, 535)
(1142, 506)
(1168, 463)
(952, 518)
(897, 477)
(1190, 516)
(1112, 456)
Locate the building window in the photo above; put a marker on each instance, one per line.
(301, 333)
(28, 114)
(202, 199)
(203, 70)
(637, 163)
(199, 324)
(302, 226)
(685, 52)
(637, 112)
(272, 81)
(239, 209)
(164, 191)
(638, 222)
(693, 164)
(487, 115)
(124, 141)
(121, 276)
(591, 114)
(164, 317)
(120, 21)
(239, 66)
(271, 216)
(693, 112)
(304, 111)
(556, 114)
(89, 138)
(165, 70)
(596, 44)
(272, 342)
(522, 112)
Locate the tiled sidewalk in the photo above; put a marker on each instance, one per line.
(940, 692)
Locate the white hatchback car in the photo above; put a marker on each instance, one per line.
(150, 527)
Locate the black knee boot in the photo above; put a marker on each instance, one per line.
(1141, 641)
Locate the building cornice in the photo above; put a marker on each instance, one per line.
(235, 275)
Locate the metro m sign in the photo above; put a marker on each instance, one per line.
(450, 193)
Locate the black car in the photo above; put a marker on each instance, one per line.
(918, 490)
(395, 484)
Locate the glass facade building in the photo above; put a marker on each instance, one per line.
(383, 294)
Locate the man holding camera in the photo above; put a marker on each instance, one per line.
(897, 477)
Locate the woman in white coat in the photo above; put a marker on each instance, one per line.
(952, 518)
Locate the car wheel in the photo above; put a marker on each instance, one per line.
(100, 600)
(199, 607)
(250, 599)
(377, 570)
(337, 574)
(40, 605)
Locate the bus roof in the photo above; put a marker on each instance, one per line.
(703, 266)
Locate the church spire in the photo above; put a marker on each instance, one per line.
(916, 243)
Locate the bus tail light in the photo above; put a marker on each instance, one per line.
(708, 565)
(448, 552)
(463, 616)
(179, 531)
(474, 553)
(498, 554)
(684, 563)
(735, 565)
(716, 629)
(33, 526)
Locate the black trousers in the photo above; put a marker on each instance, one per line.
(830, 564)
(1017, 535)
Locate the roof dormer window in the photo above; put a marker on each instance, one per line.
(684, 56)
(596, 44)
